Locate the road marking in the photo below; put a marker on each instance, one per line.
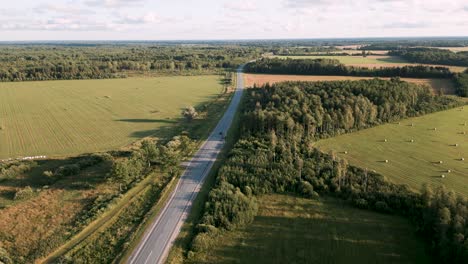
(149, 255)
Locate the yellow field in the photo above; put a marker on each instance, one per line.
(56, 118)
(437, 85)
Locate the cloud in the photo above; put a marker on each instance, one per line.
(241, 6)
(135, 20)
(465, 8)
(63, 9)
(402, 25)
(113, 3)
(55, 24)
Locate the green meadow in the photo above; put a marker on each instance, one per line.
(418, 150)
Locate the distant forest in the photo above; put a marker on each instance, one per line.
(49, 62)
(433, 56)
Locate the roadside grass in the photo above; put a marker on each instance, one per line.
(412, 163)
(372, 61)
(437, 85)
(289, 229)
(60, 118)
(179, 249)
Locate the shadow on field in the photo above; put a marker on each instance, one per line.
(135, 120)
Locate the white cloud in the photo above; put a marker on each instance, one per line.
(62, 9)
(241, 6)
(133, 19)
(402, 25)
(55, 24)
(113, 3)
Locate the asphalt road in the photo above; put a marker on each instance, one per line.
(158, 239)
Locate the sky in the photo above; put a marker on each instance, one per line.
(222, 19)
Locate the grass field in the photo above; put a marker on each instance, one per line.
(412, 163)
(296, 230)
(259, 79)
(57, 118)
(371, 61)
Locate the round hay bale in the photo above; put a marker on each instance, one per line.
(346, 152)
(440, 162)
(386, 161)
(449, 171)
(456, 145)
(435, 128)
(385, 140)
(412, 140)
(442, 176)
(462, 159)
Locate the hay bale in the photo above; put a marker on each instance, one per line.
(462, 159)
(346, 152)
(449, 171)
(385, 140)
(442, 176)
(435, 128)
(440, 162)
(456, 145)
(412, 140)
(386, 161)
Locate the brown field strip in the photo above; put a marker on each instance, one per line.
(260, 79)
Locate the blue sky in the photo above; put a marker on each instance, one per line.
(222, 19)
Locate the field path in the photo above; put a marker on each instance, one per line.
(161, 234)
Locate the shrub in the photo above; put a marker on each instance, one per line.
(25, 193)
(5, 257)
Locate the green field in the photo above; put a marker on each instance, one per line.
(412, 163)
(371, 61)
(56, 118)
(296, 230)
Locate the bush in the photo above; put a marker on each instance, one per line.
(382, 207)
(361, 203)
(25, 193)
(5, 257)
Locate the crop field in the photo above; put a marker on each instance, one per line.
(259, 79)
(374, 61)
(56, 118)
(418, 150)
(454, 49)
(289, 229)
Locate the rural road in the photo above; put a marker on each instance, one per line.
(158, 239)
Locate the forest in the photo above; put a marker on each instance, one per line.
(334, 67)
(461, 84)
(64, 62)
(275, 154)
(433, 56)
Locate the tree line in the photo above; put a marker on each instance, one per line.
(461, 84)
(433, 56)
(275, 154)
(62, 62)
(327, 66)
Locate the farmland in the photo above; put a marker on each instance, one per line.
(57, 118)
(374, 61)
(434, 140)
(288, 229)
(260, 79)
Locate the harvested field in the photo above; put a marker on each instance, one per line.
(444, 85)
(419, 150)
(374, 61)
(57, 118)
